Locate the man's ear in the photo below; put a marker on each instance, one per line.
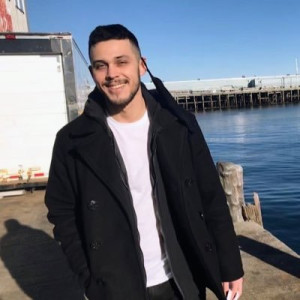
(143, 67)
(91, 70)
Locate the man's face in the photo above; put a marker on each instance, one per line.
(116, 68)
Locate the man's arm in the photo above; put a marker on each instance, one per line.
(62, 202)
(216, 211)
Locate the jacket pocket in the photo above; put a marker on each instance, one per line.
(95, 290)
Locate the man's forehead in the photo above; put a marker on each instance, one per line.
(113, 48)
(113, 45)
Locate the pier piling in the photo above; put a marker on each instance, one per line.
(195, 101)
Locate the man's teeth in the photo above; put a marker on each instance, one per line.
(117, 86)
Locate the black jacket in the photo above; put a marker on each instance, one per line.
(91, 207)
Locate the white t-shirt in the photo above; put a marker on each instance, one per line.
(132, 140)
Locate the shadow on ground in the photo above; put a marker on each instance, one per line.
(271, 255)
(37, 263)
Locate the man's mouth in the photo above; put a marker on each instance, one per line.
(115, 86)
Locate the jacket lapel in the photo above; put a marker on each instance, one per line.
(94, 145)
(98, 155)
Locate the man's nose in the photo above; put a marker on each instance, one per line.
(112, 72)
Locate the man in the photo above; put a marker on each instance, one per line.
(133, 192)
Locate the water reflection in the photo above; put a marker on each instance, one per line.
(266, 142)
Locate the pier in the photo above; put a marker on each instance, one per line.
(226, 93)
(196, 101)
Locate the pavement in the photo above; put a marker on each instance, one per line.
(32, 265)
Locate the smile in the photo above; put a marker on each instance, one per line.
(116, 86)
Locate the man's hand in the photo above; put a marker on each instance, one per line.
(233, 290)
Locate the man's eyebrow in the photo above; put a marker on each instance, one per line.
(98, 61)
(122, 56)
(103, 61)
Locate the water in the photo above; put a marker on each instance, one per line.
(266, 143)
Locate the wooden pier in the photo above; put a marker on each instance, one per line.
(196, 101)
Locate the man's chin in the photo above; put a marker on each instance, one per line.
(115, 99)
(117, 105)
(118, 101)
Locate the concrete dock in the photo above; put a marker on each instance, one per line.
(32, 265)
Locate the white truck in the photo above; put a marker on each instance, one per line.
(44, 82)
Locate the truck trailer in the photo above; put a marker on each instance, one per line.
(44, 83)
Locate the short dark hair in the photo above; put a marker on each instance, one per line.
(112, 32)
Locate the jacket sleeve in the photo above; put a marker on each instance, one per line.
(216, 211)
(61, 200)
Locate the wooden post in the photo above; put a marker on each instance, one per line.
(186, 103)
(195, 104)
(252, 212)
(231, 177)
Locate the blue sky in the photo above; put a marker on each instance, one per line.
(185, 40)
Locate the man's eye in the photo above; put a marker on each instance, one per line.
(122, 62)
(99, 66)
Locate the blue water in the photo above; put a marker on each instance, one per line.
(266, 143)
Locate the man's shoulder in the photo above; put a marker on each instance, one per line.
(71, 126)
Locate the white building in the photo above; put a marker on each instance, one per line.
(227, 84)
(13, 16)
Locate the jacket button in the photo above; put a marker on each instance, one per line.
(95, 245)
(201, 215)
(208, 247)
(188, 182)
(92, 205)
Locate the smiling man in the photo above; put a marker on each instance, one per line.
(133, 192)
(117, 68)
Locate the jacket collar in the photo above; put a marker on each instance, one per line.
(95, 106)
(159, 117)
(95, 113)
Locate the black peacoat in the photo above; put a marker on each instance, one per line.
(91, 207)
